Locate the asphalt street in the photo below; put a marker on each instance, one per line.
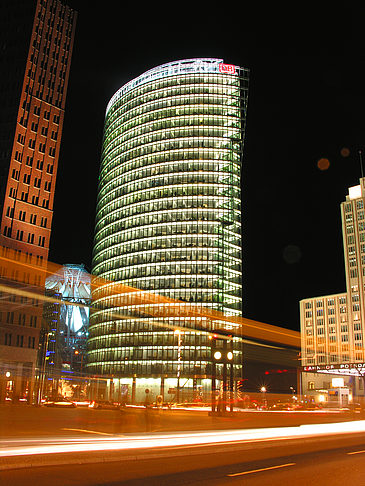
(28, 421)
(328, 461)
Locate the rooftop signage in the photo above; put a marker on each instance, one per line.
(186, 66)
(227, 68)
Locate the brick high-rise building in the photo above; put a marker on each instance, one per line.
(36, 41)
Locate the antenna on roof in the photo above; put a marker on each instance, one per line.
(361, 167)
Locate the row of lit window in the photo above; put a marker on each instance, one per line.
(171, 185)
(160, 218)
(172, 91)
(161, 159)
(172, 127)
(114, 195)
(178, 229)
(145, 147)
(200, 269)
(130, 172)
(144, 239)
(157, 131)
(186, 260)
(115, 169)
(204, 153)
(189, 82)
(139, 117)
(212, 199)
(120, 209)
(148, 368)
(232, 265)
(175, 104)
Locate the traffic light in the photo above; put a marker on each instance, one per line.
(240, 385)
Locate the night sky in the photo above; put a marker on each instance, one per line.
(306, 103)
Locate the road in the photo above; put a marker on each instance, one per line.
(328, 461)
(27, 421)
(105, 447)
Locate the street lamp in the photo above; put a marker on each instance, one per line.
(217, 355)
(178, 333)
(263, 391)
(223, 357)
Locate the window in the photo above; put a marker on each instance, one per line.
(7, 339)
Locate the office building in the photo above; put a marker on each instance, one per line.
(168, 218)
(36, 39)
(332, 326)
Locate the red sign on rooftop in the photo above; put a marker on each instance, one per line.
(227, 68)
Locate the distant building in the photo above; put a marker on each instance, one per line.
(36, 41)
(66, 319)
(332, 326)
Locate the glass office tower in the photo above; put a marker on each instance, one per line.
(168, 216)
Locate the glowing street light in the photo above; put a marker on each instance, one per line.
(263, 391)
(217, 355)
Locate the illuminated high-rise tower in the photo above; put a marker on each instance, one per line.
(168, 214)
(36, 41)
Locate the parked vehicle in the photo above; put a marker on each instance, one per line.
(105, 405)
(60, 403)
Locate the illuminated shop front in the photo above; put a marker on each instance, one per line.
(168, 217)
(339, 384)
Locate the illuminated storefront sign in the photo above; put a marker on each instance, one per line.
(336, 367)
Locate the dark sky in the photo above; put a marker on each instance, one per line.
(306, 102)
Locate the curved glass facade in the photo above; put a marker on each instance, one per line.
(168, 215)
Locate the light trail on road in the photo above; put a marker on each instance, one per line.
(16, 447)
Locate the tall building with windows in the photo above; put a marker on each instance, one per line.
(168, 216)
(36, 41)
(332, 326)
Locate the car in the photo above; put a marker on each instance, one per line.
(59, 403)
(282, 406)
(104, 404)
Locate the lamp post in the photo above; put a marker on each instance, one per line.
(178, 333)
(224, 357)
(43, 371)
(263, 391)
